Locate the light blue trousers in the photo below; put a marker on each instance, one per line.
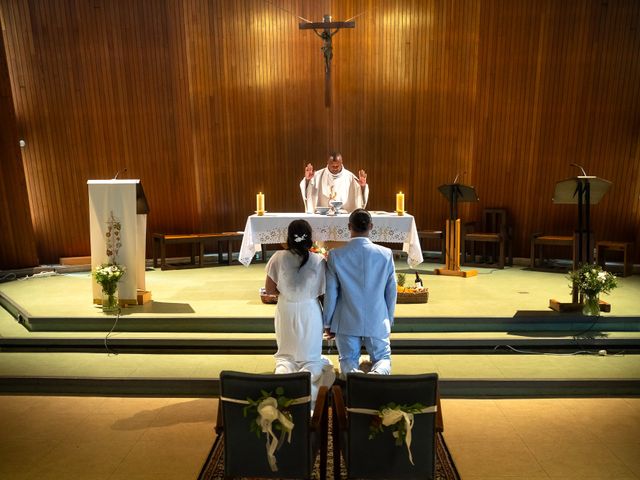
(379, 350)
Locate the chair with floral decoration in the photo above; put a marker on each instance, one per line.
(385, 426)
(267, 425)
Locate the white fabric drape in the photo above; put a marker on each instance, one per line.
(387, 227)
(118, 198)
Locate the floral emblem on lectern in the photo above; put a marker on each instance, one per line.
(114, 241)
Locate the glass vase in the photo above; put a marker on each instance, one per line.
(591, 305)
(110, 301)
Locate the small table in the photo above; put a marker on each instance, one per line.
(271, 228)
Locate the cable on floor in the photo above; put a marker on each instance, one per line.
(106, 347)
(7, 277)
(557, 354)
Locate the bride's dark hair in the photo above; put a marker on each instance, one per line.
(299, 239)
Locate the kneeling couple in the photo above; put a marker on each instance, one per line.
(358, 282)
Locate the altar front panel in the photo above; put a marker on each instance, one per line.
(271, 228)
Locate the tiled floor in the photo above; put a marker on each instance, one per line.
(544, 438)
(169, 438)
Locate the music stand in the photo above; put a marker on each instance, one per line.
(583, 191)
(454, 193)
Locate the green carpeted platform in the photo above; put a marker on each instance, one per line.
(490, 335)
(225, 299)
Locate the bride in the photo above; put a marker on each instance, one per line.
(299, 278)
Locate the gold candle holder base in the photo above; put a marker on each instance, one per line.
(260, 213)
(400, 213)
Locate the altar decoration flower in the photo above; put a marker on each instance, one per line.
(321, 250)
(108, 275)
(591, 280)
(399, 420)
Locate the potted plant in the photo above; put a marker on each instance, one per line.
(591, 280)
(107, 275)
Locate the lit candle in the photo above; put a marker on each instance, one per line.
(260, 203)
(400, 203)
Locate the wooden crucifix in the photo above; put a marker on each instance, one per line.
(326, 30)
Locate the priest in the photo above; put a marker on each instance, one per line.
(334, 182)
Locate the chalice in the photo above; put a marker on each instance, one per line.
(336, 204)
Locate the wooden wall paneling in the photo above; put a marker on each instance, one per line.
(209, 102)
(17, 239)
(626, 170)
(121, 102)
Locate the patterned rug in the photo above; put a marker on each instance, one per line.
(213, 468)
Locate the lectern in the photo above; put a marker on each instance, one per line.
(122, 202)
(454, 193)
(583, 191)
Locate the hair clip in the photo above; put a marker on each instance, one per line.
(300, 238)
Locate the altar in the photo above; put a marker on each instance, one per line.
(271, 228)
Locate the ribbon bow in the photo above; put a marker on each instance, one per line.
(267, 414)
(391, 416)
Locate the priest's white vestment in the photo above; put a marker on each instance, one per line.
(317, 191)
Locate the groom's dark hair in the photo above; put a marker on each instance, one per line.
(360, 220)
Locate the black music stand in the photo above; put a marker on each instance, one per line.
(583, 191)
(454, 193)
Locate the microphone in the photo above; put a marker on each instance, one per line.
(119, 172)
(584, 174)
(455, 180)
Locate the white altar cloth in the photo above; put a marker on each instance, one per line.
(271, 228)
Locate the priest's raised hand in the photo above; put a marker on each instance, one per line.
(362, 178)
(308, 172)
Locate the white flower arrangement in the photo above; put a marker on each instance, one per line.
(591, 280)
(108, 275)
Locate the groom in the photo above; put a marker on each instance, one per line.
(360, 298)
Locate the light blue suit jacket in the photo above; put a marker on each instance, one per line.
(360, 297)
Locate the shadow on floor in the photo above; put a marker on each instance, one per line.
(192, 411)
(165, 307)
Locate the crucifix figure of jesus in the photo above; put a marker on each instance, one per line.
(326, 30)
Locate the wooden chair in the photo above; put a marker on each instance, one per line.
(379, 457)
(539, 241)
(605, 246)
(245, 454)
(493, 230)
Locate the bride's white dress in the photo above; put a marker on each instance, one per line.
(298, 319)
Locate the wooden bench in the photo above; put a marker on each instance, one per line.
(226, 239)
(197, 241)
(434, 235)
(604, 246)
(539, 240)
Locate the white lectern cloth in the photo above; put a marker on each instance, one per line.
(118, 197)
